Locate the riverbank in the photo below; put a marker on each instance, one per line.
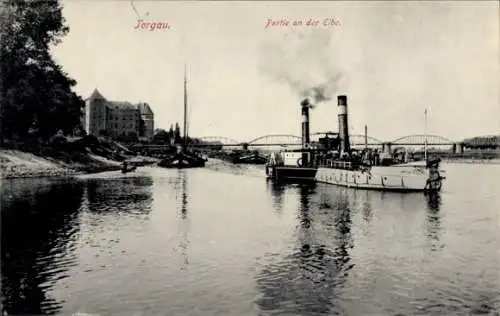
(66, 156)
(19, 164)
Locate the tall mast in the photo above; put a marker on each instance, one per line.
(185, 107)
(425, 134)
(366, 137)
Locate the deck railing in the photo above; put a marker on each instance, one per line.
(330, 163)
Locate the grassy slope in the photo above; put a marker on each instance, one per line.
(56, 160)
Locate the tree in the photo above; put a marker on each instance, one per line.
(171, 131)
(161, 137)
(35, 88)
(177, 134)
(6, 19)
(159, 131)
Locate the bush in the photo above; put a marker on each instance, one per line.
(90, 140)
(57, 140)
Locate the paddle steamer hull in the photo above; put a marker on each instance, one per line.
(408, 177)
(397, 178)
(403, 179)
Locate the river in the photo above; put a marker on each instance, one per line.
(224, 241)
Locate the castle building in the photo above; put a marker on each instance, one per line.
(117, 118)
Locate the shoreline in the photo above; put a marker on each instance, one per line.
(17, 172)
(15, 164)
(477, 161)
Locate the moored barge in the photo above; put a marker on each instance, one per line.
(248, 157)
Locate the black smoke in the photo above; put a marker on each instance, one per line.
(306, 62)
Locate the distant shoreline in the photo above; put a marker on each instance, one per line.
(494, 161)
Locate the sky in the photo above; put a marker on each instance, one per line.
(393, 60)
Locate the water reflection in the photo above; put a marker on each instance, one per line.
(308, 281)
(184, 196)
(122, 195)
(277, 193)
(367, 208)
(109, 206)
(184, 224)
(38, 242)
(433, 220)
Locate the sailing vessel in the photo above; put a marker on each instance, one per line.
(184, 158)
(332, 161)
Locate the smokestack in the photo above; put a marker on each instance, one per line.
(305, 122)
(343, 128)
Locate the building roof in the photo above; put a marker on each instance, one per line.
(144, 108)
(96, 95)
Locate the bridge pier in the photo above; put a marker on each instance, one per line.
(387, 148)
(458, 148)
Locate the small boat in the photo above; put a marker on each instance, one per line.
(332, 161)
(126, 167)
(183, 159)
(239, 157)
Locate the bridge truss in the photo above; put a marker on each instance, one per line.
(276, 140)
(419, 140)
(218, 140)
(356, 140)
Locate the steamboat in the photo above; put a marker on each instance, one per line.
(331, 160)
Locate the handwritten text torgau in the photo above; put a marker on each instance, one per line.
(151, 26)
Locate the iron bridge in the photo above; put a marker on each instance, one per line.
(356, 140)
